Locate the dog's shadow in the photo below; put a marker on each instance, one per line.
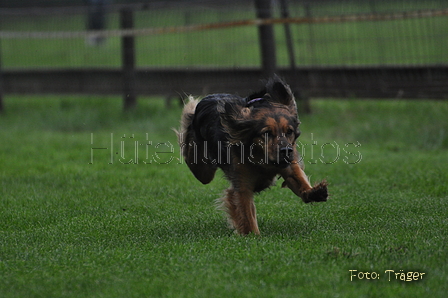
(288, 228)
(217, 227)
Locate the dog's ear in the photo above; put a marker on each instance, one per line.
(279, 92)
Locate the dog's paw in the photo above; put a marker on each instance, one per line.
(319, 193)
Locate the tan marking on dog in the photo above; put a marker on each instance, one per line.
(283, 121)
(257, 114)
(284, 124)
(272, 125)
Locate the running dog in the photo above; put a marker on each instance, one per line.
(252, 140)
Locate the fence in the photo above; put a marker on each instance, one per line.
(324, 48)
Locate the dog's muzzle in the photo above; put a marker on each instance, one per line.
(285, 156)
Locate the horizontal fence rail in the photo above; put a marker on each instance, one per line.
(338, 82)
(201, 27)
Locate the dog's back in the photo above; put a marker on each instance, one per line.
(204, 142)
(206, 122)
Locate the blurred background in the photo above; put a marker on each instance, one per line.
(344, 49)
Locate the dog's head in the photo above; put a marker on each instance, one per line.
(266, 124)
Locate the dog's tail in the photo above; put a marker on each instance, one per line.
(186, 120)
(193, 150)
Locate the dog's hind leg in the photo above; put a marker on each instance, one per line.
(240, 206)
(194, 151)
(200, 165)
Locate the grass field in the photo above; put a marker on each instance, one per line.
(72, 228)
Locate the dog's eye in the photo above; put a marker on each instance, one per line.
(289, 132)
(265, 132)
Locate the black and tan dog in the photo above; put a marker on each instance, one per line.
(252, 140)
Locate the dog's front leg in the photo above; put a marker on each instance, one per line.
(297, 181)
(241, 209)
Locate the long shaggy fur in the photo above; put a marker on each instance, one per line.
(252, 140)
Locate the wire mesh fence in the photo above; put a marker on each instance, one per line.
(407, 40)
(344, 48)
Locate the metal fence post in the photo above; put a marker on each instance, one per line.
(292, 61)
(266, 38)
(1, 79)
(128, 60)
(311, 47)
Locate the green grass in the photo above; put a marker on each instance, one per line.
(73, 229)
